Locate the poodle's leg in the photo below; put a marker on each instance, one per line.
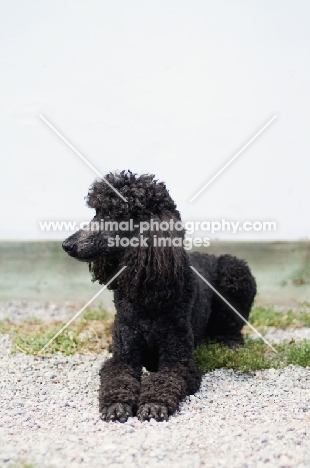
(178, 376)
(162, 391)
(120, 378)
(236, 283)
(119, 390)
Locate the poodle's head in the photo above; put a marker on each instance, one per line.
(146, 200)
(146, 197)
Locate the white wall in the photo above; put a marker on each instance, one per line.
(173, 88)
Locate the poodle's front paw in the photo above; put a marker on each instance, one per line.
(116, 412)
(156, 411)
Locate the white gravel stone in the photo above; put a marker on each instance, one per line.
(236, 420)
(21, 310)
(49, 415)
(277, 335)
(46, 310)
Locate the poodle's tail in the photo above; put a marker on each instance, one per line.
(237, 285)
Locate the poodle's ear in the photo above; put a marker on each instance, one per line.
(154, 274)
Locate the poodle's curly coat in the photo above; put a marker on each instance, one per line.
(163, 310)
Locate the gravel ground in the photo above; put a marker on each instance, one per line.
(277, 335)
(49, 417)
(50, 310)
(21, 310)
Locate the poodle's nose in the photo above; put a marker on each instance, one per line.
(68, 246)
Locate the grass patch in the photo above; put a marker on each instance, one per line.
(254, 355)
(96, 314)
(89, 334)
(92, 334)
(297, 353)
(269, 317)
(21, 464)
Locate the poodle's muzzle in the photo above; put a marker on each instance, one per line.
(70, 247)
(84, 246)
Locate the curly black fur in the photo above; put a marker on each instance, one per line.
(163, 309)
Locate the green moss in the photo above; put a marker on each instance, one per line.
(254, 355)
(21, 464)
(269, 317)
(297, 353)
(92, 333)
(89, 334)
(96, 314)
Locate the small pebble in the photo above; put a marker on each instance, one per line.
(235, 419)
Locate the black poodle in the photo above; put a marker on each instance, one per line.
(163, 309)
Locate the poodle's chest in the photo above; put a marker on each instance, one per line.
(150, 330)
